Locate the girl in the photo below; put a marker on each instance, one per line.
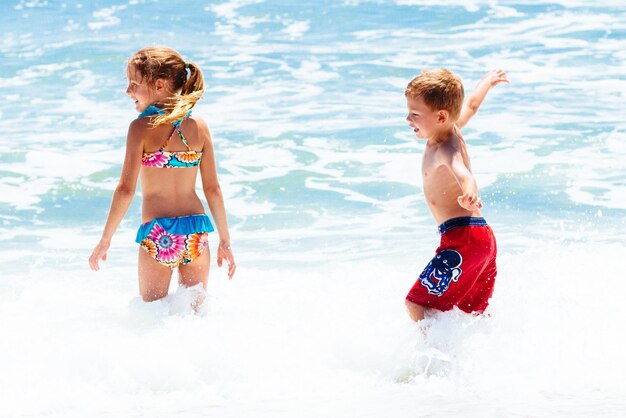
(165, 147)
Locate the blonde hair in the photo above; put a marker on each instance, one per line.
(160, 62)
(440, 89)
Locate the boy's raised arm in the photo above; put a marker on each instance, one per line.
(470, 107)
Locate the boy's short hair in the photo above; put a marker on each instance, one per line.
(440, 89)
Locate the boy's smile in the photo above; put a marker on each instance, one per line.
(421, 118)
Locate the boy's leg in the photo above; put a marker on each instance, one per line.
(415, 311)
(477, 299)
(154, 278)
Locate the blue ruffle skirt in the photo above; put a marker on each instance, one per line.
(182, 225)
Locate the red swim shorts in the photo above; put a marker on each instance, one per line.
(463, 271)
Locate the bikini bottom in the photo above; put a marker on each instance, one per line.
(174, 241)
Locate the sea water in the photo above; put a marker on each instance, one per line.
(322, 185)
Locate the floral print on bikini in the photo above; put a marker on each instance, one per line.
(174, 241)
(170, 159)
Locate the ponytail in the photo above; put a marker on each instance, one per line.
(190, 93)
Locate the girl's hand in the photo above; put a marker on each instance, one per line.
(224, 252)
(470, 201)
(99, 253)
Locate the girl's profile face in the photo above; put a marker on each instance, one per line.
(139, 91)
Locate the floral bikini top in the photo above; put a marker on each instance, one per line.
(170, 159)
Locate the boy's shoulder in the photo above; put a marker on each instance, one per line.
(442, 152)
(455, 141)
(450, 143)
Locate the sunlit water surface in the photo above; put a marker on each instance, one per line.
(322, 185)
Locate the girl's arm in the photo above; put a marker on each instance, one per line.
(214, 198)
(124, 192)
(470, 107)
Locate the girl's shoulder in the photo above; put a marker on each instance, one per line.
(198, 124)
(139, 129)
(140, 123)
(144, 125)
(199, 120)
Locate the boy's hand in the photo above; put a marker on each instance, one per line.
(470, 201)
(224, 252)
(495, 77)
(99, 253)
(470, 107)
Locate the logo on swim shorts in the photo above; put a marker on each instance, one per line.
(441, 271)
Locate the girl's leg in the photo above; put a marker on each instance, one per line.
(154, 278)
(197, 271)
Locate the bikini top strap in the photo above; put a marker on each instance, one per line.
(180, 134)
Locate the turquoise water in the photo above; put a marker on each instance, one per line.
(286, 79)
(323, 190)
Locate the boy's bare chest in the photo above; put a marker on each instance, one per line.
(432, 164)
(429, 165)
(426, 163)
(437, 177)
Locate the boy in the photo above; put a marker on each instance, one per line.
(463, 271)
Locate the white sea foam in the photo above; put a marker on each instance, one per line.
(106, 17)
(311, 71)
(30, 4)
(284, 339)
(470, 6)
(228, 9)
(296, 30)
(34, 72)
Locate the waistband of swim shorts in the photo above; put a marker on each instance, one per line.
(462, 221)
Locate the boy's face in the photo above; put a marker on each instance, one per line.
(422, 118)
